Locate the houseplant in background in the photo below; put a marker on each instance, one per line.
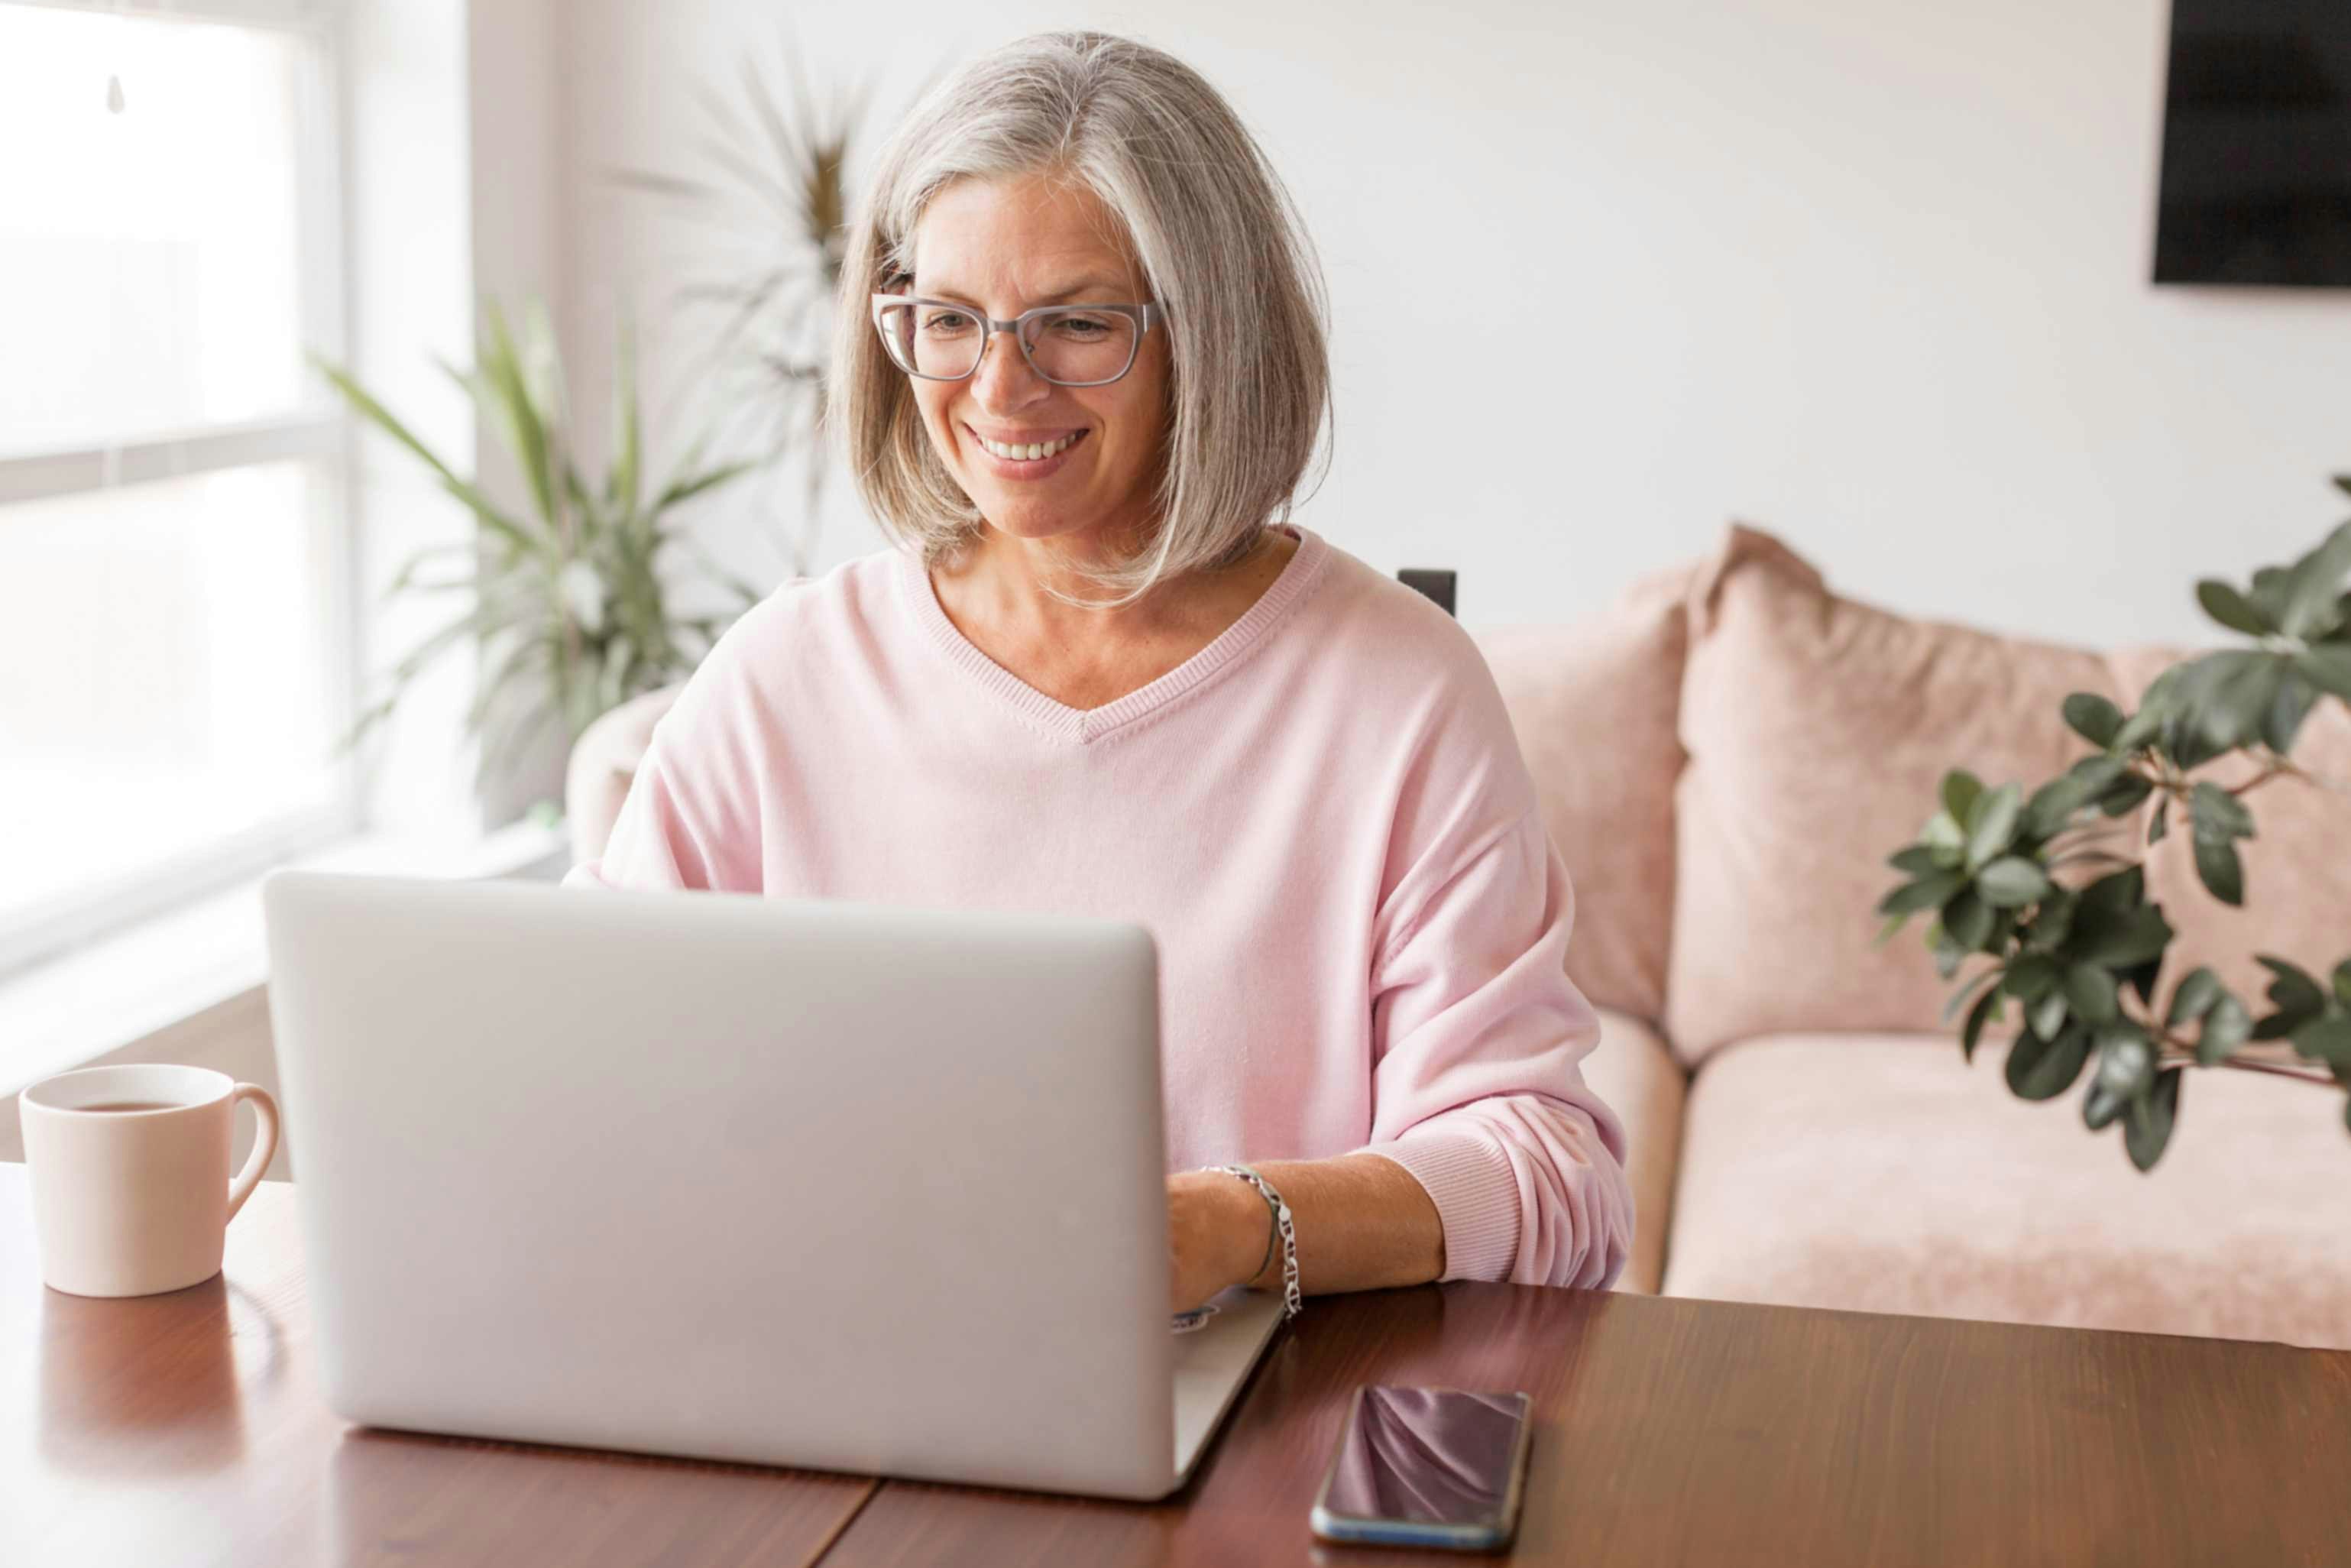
(772, 207)
(569, 607)
(2036, 885)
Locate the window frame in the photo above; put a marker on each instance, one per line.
(314, 432)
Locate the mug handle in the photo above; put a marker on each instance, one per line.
(265, 1143)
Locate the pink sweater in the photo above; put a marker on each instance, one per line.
(1322, 819)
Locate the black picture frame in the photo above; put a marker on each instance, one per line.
(2256, 178)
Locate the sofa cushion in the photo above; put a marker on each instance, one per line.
(1593, 703)
(1638, 1077)
(1881, 1174)
(1817, 730)
(2297, 867)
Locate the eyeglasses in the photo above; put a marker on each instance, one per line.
(1069, 345)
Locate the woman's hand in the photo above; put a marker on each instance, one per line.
(1217, 1229)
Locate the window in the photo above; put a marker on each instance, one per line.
(177, 641)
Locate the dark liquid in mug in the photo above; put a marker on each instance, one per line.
(133, 1106)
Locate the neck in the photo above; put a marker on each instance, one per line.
(1007, 580)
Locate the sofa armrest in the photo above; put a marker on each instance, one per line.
(603, 765)
(1634, 1072)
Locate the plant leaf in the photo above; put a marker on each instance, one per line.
(520, 419)
(2053, 922)
(2328, 668)
(624, 486)
(2194, 997)
(2218, 867)
(2095, 773)
(2226, 1027)
(1986, 1010)
(2125, 795)
(685, 488)
(2312, 585)
(2047, 1016)
(2030, 977)
(2051, 807)
(2107, 900)
(2126, 1061)
(2147, 1126)
(1927, 893)
(2238, 696)
(2090, 993)
(1992, 822)
(2162, 822)
(2093, 718)
(463, 489)
(2269, 590)
(2294, 993)
(1959, 792)
(1949, 953)
(2141, 727)
(2328, 1039)
(1916, 860)
(2214, 813)
(2043, 1069)
(2295, 696)
(2232, 609)
(2136, 937)
(1968, 919)
(2011, 881)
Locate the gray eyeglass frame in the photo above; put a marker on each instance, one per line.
(1145, 317)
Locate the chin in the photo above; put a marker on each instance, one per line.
(1026, 519)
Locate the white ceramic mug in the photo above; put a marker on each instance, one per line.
(131, 1203)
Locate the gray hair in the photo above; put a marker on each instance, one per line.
(1221, 245)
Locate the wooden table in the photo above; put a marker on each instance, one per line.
(187, 1429)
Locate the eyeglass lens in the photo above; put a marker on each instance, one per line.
(1071, 345)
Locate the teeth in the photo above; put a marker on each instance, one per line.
(1029, 451)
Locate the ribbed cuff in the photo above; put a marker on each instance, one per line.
(1476, 1194)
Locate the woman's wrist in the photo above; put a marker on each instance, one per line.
(1241, 1228)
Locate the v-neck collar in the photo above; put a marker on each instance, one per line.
(1084, 725)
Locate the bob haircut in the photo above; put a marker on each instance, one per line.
(1220, 246)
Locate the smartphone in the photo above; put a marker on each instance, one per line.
(1427, 1467)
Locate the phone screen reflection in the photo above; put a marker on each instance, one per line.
(1428, 1455)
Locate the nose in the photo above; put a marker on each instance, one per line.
(1004, 380)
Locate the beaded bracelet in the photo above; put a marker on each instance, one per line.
(1291, 1299)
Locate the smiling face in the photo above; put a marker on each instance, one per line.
(1003, 247)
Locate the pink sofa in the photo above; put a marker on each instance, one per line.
(1727, 756)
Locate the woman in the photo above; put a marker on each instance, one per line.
(1081, 373)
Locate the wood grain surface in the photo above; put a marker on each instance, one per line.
(188, 1428)
(1673, 1431)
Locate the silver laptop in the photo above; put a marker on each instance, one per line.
(805, 1182)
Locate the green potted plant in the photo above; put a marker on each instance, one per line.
(568, 606)
(2034, 884)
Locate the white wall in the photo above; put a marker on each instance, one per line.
(1869, 272)
(514, 125)
(407, 244)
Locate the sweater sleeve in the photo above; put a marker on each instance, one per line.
(654, 844)
(692, 816)
(1476, 1090)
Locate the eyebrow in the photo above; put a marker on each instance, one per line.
(1093, 284)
